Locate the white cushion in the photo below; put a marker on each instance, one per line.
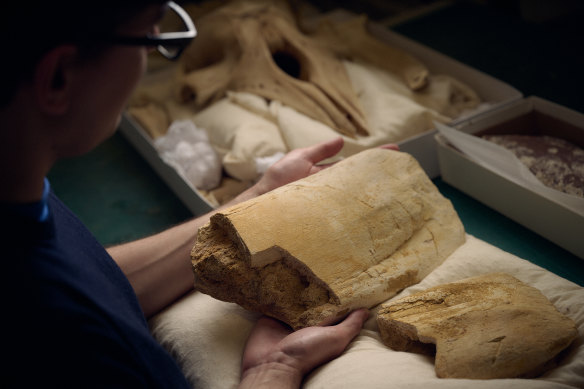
(207, 336)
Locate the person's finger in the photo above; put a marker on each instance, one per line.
(390, 146)
(329, 342)
(324, 150)
(353, 323)
(332, 321)
(319, 167)
(269, 327)
(265, 333)
(344, 332)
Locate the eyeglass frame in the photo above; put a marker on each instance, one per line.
(178, 39)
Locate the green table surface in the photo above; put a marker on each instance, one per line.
(120, 198)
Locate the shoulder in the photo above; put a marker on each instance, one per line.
(70, 318)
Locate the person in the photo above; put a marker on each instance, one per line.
(75, 313)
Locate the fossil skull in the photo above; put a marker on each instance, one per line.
(255, 46)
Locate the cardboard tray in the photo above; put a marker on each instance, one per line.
(422, 146)
(190, 196)
(490, 90)
(534, 116)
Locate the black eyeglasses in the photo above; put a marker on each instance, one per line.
(169, 44)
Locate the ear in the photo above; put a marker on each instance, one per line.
(53, 78)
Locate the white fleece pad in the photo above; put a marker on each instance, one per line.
(207, 336)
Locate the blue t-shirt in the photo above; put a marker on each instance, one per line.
(70, 316)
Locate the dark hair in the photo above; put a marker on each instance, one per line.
(32, 28)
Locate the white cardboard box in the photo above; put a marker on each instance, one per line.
(551, 219)
(423, 146)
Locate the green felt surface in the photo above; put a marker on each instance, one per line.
(120, 198)
(116, 193)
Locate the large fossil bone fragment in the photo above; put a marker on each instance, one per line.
(350, 236)
(489, 326)
(350, 40)
(256, 47)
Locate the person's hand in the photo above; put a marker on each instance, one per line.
(276, 357)
(300, 163)
(297, 164)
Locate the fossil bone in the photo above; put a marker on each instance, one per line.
(488, 326)
(256, 47)
(349, 236)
